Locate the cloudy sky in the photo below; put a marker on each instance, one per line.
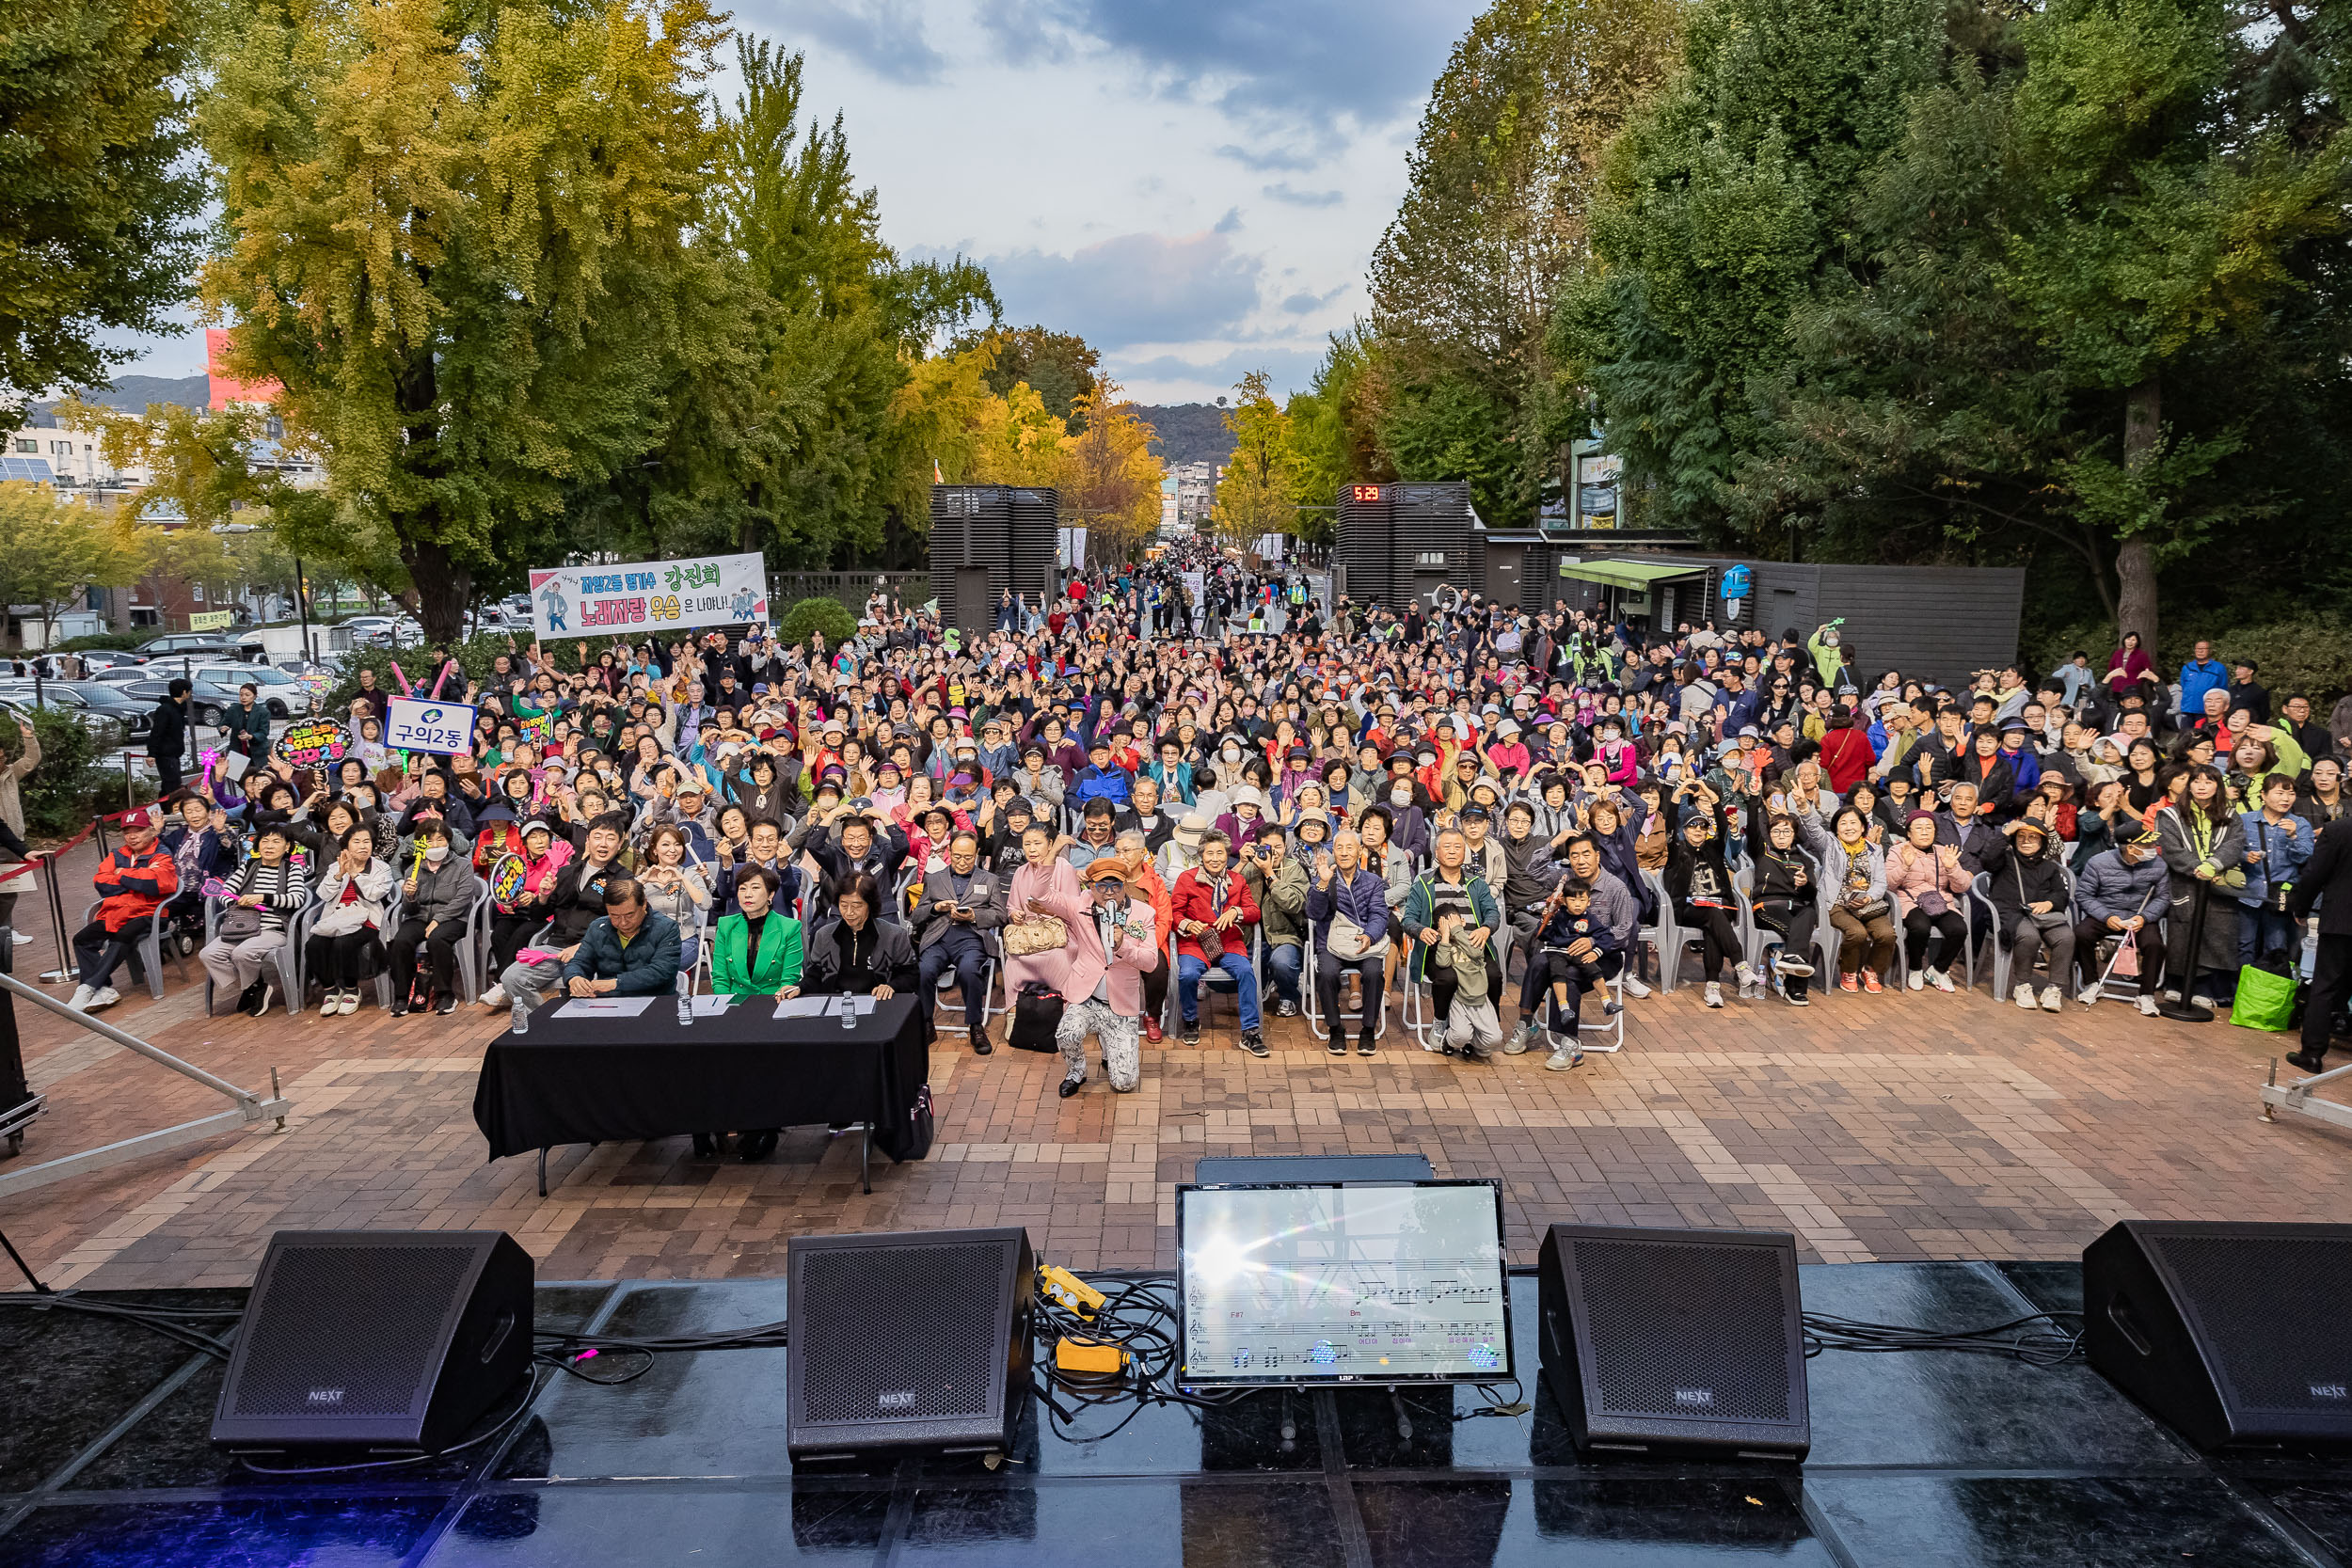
(1194, 185)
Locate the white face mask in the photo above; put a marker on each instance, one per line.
(1232, 754)
(435, 853)
(1401, 797)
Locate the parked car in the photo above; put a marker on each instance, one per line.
(214, 688)
(107, 711)
(203, 645)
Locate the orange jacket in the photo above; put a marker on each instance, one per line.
(131, 886)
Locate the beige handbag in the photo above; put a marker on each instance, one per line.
(1034, 934)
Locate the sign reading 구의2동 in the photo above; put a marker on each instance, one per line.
(706, 591)
(435, 727)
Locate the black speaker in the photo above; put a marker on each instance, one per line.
(389, 1340)
(916, 1342)
(2232, 1334)
(1675, 1341)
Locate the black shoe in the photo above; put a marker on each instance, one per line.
(981, 1044)
(246, 997)
(1192, 1033)
(2308, 1062)
(447, 1005)
(1471, 1053)
(1253, 1042)
(1336, 1045)
(266, 993)
(705, 1146)
(1366, 1046)
(1071, 1085)
(752, 1148)
(400, 1006)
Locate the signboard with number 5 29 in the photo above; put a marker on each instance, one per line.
(435, 727)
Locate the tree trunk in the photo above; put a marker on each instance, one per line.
(442, 589)
(2136, 560)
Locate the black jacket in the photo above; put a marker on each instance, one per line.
(841, 960)
(2013, 880)
(170, 737)
(2327, 875)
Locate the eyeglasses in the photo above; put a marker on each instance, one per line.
(1111, 884)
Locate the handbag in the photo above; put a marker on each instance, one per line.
(2266, 999)
(1035, 934)
(237, 922)
(1349, 942)
(1036, 1016)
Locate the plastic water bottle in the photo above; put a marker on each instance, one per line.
(685, 998)
(848, 1010)
(522, 1014)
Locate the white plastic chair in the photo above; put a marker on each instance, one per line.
(149, 948)
(288, 957)
(1311, 1005)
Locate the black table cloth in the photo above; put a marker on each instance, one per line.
(617, 1080)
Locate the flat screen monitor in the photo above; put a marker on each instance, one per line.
(1319, 1283)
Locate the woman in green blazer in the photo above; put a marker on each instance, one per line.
(772, 968)
(741, 967)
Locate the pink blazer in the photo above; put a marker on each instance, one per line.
(1138, 950)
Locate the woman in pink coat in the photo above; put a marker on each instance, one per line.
(1043, 873)
(1113, 940)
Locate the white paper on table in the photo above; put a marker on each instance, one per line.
(861, 1005)
(711, 1006)
(802, 1007)
(604, 1006)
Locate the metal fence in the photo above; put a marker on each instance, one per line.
(787, 589)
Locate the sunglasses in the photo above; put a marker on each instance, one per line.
(1109, 884)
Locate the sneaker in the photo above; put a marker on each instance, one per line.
(1714, 994)
(80, 1000)
(1917, 980)
(2053, 1000)
(1634, 988)
(329, 1002)
(448, 1004)
(107, 996)
(2172, 996)
(349, 1004)
(2147, 1006)
(1941, 981)
(1336, 1045)
(1285, 1009)
(1152, 1031)
(1192, 1032)
(1749, 979)
(1366, 1046)
(1562, 1058)
(1253, 1042)
(1610, 1009)
(1517, 1044)
(20, 939)
(494, 997)
(1871, 983)
(400, 1006)
(2023, 998)
(2090, 994)
(1796, 999)
(1787, 964)
(262, 1002)
(1848, 982)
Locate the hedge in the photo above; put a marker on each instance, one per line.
(827, 615)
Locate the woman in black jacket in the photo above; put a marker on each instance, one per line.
(854, 954)
(1785, 899)
(1699, 884)
(2032, 909)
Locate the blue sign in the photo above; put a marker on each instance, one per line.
(1735, 582)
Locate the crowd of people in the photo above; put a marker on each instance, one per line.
(1190, 776)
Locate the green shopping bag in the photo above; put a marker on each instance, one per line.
(2266, 999)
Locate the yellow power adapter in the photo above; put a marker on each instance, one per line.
(1067, 1291)
(1080, 1359)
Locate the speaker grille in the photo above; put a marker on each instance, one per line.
(2264, 1305)
(1685, 1329)
(323, 1301)
(898, 1332)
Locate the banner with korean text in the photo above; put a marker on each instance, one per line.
(648, 595)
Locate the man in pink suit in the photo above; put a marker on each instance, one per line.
(1111, 943)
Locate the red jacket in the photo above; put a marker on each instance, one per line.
(1193, 898)
(131, 886)
(1847, 755)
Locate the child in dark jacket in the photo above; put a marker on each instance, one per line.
(1570, 942)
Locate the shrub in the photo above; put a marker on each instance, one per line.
(827, 615)
(2307, 655)
(117, 640)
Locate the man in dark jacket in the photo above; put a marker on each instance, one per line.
(167, 740)
(2327, 876)
(2123, 893)
(959, 902)
(630, 952)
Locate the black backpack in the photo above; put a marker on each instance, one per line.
(1036, 1015)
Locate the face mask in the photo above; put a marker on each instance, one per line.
(435, 853)
(1400, 797)
(1232, 754)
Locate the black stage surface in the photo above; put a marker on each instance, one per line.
(1919, 1460)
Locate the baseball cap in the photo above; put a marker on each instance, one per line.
(137, 817)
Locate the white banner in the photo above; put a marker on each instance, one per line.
(660, 596)
(440, 728)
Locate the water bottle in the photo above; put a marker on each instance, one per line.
(848, 1010)
(522, 1014)
(685, 998)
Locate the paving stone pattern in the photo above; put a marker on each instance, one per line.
(1898, 1127)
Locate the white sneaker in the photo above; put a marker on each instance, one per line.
(494, 997)
(1940, 980)
(1787, 964)
(20, 938)
(2024, 997)
(1917, 980)
(80, 1000)
(1561, 1058)
(2053, 1000)
(350, 1003)
(331, 1001)
(1634, 987)
(2147, 1006)
(107, 996)
(1714, 994)
(2172, 996)
(1748, 980)
(2090, 993)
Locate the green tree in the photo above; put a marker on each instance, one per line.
(51, 550)
(463, 242)
(1060, 365)
(1258, 494)
(97, 196)
(1332, 433)
(1497, 215)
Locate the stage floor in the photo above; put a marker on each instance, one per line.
(1919, 1461)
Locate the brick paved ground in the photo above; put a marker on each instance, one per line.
(1898, 1127)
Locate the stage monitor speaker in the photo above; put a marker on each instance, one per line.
(387, 1340)
(2232, 1334)
(1675, 1341)
(906, 1343)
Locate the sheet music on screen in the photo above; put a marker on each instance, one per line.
(1330, 1283)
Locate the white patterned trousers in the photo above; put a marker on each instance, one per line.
(1122, 1056)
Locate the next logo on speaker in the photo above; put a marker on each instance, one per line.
(897, 1398)
(326, 1396)
(2328, 1390)
(1696, 1397)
